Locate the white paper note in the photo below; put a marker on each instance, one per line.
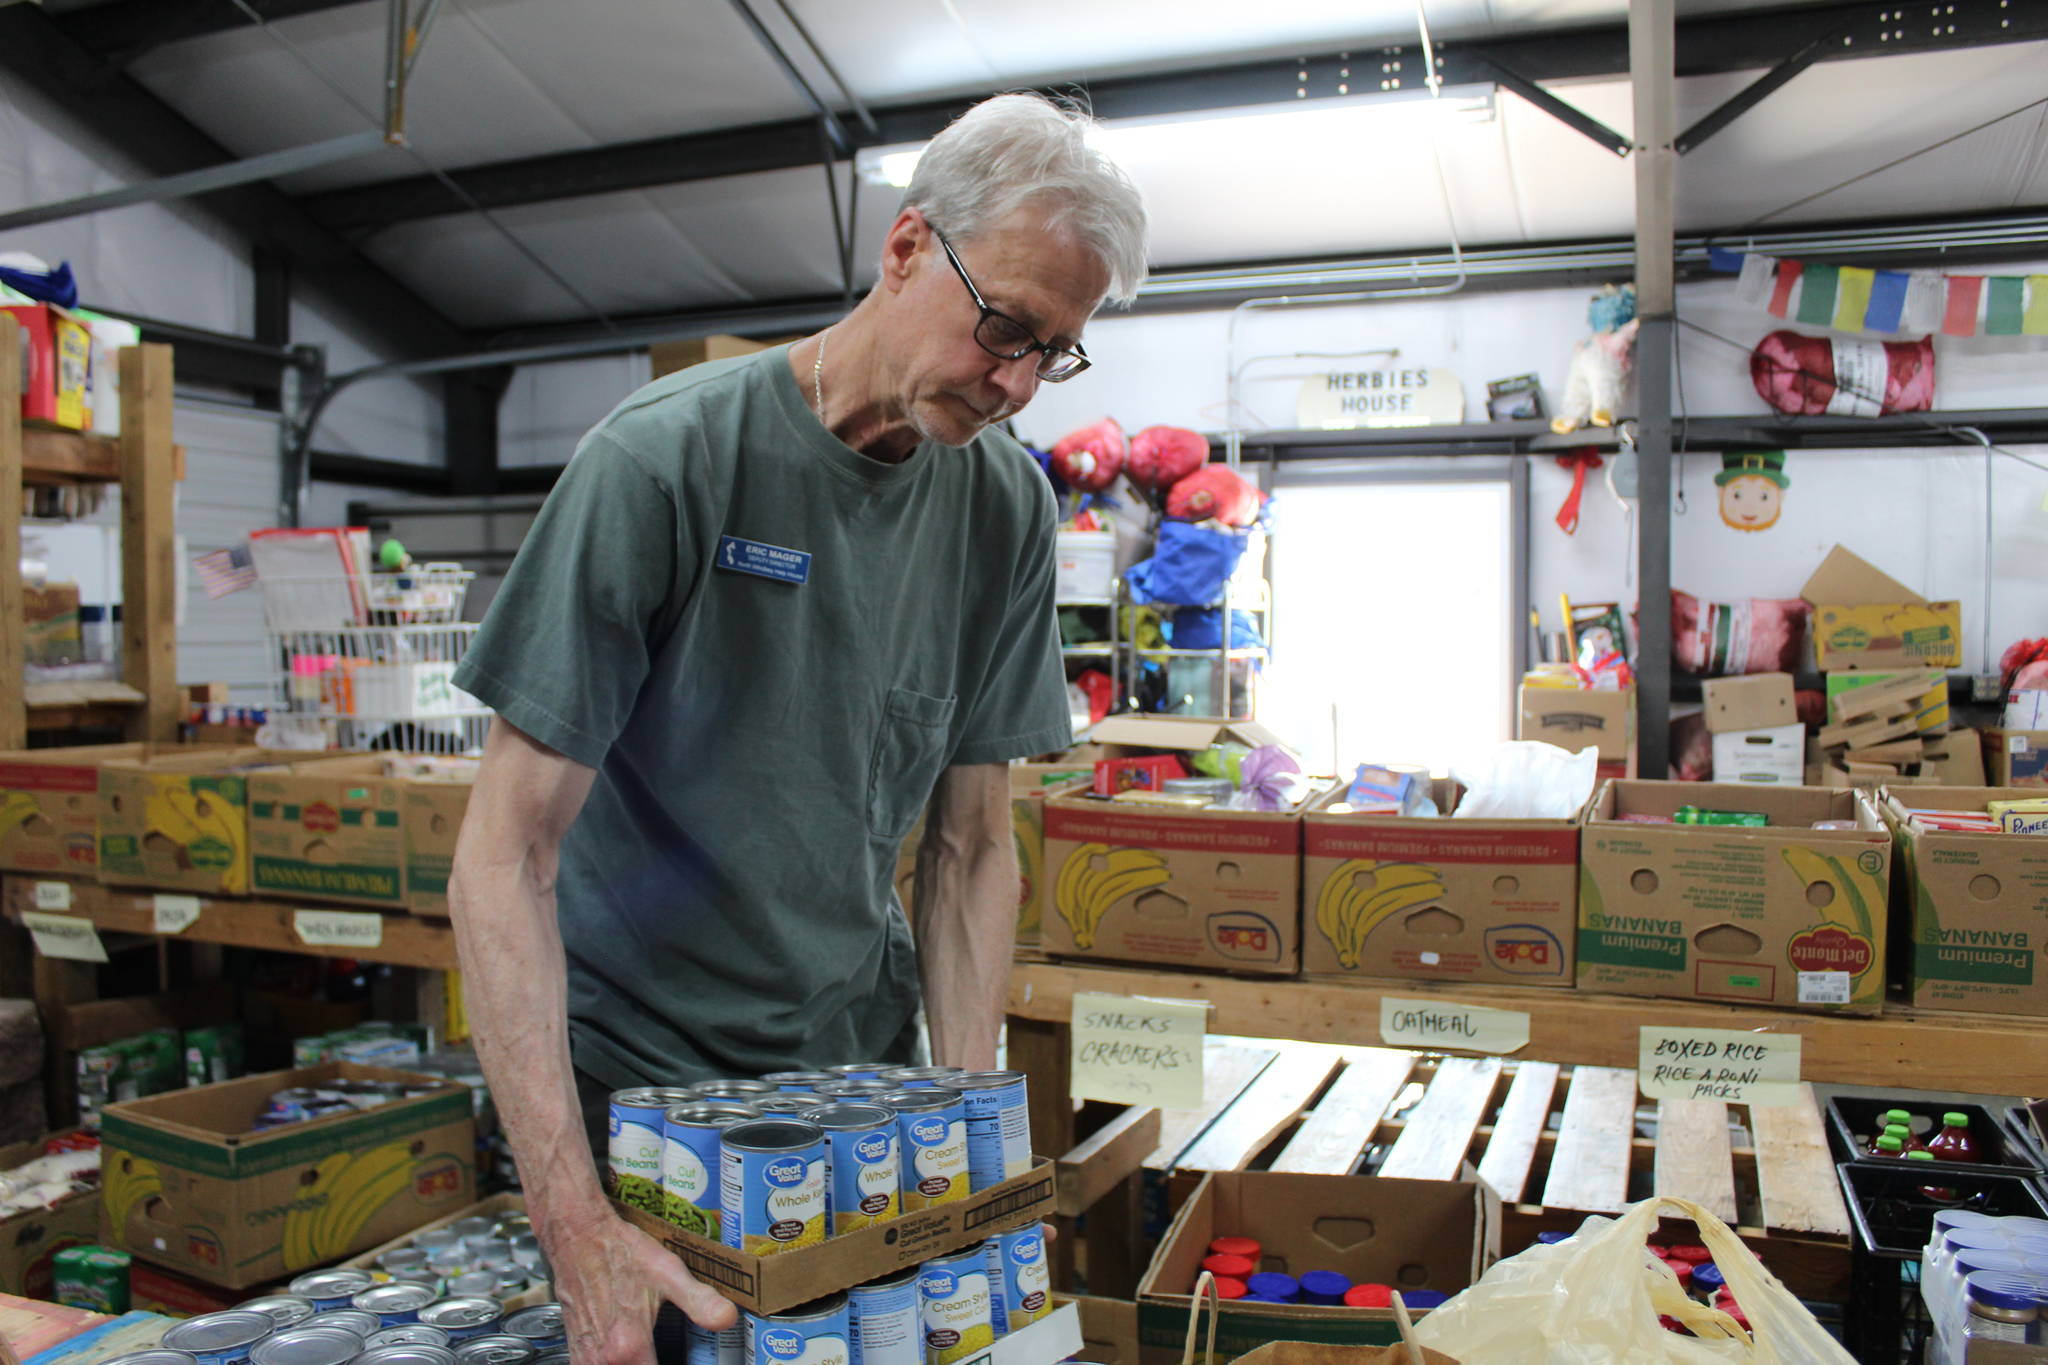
(338, 928)
(175, 914)
(64, 936)
(1438, 1026)
(1134, 1050)
(1756, 1068)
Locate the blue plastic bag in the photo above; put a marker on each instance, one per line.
(1203, 629)
(1189, 566)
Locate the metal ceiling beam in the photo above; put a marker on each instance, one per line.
(126, 29)
(35, 51)
(1743, 41)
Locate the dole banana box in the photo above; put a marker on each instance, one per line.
(180, 821)
(328, 830)
(50, 807)
(1784, 915)
(1440, 899)
(186, 1184)
(1978, 905)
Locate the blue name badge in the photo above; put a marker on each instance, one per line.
(764, 561)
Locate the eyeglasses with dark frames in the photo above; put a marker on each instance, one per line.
(1005, 338)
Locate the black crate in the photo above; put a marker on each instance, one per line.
(1853, 1118)
(1893, 1218)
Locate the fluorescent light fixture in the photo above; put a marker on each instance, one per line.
(1344, 126)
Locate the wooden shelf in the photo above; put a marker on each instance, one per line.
(80, 705)
(54, 456)
(405, 940)
(1921, 1049)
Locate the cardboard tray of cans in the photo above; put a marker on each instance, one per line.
(775, 1284)
(496, 1206)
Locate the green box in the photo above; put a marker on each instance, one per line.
(94, 1278)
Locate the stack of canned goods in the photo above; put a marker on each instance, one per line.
(342, 1317)
(788, 1160)
(300, 1103)
(497, 1256)
(943, 1311)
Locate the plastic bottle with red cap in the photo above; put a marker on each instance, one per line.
(1246, 1247)
(1232, 1267)
(1369, 1295)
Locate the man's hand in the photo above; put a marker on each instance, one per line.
(611, 1279)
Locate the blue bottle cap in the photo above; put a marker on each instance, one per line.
(1423, 1298)
(1707, 1275)
(1271, 1284)
(2004, 1291)
(1324, 1286)
(1976, 1239)
(1551, 1239)
(1998, 1262)
(1948, 1220)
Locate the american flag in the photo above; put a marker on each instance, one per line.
(225, 571)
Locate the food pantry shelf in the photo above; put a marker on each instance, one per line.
(1923, 1049)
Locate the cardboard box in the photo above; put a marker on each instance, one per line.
(666, 357)
(2015, 758)
(1976, 903)
(1573, 718)
(153, 1289)
(771, 1284)
(50, 635)
(492, 1207)
(1788, 915)
(1439, 899)
(1853, 695)
(1864, 619)
(328, 830)
(1109, 1328)
(56, 364)
(28, 1241)
(50, 807)
(1416, 1234)
(1028, 785)
(1774, 756)
(1760, 701)
(434, 808)
(179, 821)
(187, 1184)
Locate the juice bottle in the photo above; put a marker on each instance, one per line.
(1954, 1142)
(1934, 1192)
(1905, 1137)
(1889, 1146)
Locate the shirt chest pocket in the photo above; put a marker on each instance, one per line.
(909, 749)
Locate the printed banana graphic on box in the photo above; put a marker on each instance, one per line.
(1095, 877)
(1361, 893)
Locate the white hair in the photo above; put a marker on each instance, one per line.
(1012, 150)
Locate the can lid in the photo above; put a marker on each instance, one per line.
(407, 1334)
(462, 1312)
(772, 1134)
(1369, 1296)
(1229, 1287)
(850, 1116)
(2004, 1291)
(1888, 1143)
(1424, 1298)
(159, 1356)
(2002, 1262)
(1963, 1239)
(1948, 1219)
(1273, 1284)
(1326, 1283)
(349, 1320)
(985, 1080)
(549, 1316)
(307, 1346)
(211, 1332)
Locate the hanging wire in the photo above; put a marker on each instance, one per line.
(431, 168)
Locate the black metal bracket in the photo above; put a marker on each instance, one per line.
(1748, 98)
(1571, 116)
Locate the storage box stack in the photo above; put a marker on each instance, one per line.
(1756, 732)
(1886, 726)
(1974, 887)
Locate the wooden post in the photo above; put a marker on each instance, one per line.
(13, 705)
(1042, 1052)
(149, 568)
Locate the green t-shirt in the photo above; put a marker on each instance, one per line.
(763, 745)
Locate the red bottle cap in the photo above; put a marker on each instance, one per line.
(1246, 1247)
(1229, 1288)
(1683, 1270)
(1369, 1296)
(1229, 1267)
(1693, 1254)
(1673, 1325)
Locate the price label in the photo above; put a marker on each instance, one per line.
(338, 928)
(61, 936)
(1437, 1026)
(1134, 1050)
(1755, 1068)
(175, 914)
(54, 896)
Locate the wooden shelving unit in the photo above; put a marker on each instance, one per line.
(146, 464)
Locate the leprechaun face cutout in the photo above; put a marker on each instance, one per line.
(1752, 484)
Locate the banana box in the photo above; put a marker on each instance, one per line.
(1980, 940)
(180, 822)
(30, 1240)
(1438, 899)
(330, 830)
(1029, 783)
(187, 1184)
(50, 807)
(1784, 915)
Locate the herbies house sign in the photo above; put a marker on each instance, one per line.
(1417, 396)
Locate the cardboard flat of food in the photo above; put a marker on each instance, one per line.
(1179, 732)
(1758, 701)
(1975, 902)
(494, 1206)
(29, 1240)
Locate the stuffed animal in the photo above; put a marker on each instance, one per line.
(1592, 388)
(1162, 456)
(1089, 460)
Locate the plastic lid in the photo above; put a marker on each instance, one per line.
(1708, 1276)
(1888, 1143)
(1684, 1270)
(1327, 1284)
(1690, 1252)
(1949, 1219)
(2001, 1262)
(1369, 1296)
(1954, 1120)
(1899, 1116)
(2016, 1225)
(1229, 1288)
(1246, 1247)
(1424, 1298)
(1273, 1285)
(2004, 1291)
(1232, 1267)
(1897, 1130)
(1551, 1239)
(1910, 1156)
(2030, 1244)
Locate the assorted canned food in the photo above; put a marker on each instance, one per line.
(495, 1256)
(301, 1103)
(345, 1317)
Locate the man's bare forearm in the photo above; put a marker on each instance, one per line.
(966, 912)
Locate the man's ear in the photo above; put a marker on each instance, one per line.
(900, 248)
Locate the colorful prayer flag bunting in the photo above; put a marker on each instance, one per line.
(1964, 292)
(1817, 295)
(1854, 299)
(2036, 322)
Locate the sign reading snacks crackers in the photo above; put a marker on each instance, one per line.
(1131, 1050)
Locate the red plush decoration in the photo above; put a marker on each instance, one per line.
(1162, 456)
(1090, 459)
(1811, 376)
(1717, 639)
(1214, 492)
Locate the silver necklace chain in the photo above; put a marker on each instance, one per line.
(818, 374)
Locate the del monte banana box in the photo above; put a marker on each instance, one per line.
(1438, 899)
(1980, 937)
(50, 807)
(1784, 914)
(331, 830)
(180, 821)
(186, 1182)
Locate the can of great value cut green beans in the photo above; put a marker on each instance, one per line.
(689, 1162)
(633, 1167)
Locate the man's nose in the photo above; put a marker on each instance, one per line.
(1018, 379)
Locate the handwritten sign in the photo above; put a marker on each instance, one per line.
(65, 937)
(1736, 1067)
(175, 914)
(1133, 1050)
(54, 896)
(1439, 1026)
(338, 928)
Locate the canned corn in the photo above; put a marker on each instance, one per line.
(1020, 1287)
(772, 1185)
(813, 1334)
(998, 1125)
(956, 1306)
(884, 1321)
(863, 1166)
(933, 1125)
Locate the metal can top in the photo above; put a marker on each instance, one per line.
(283, 1310)
(895, 1279)
(332, 1284)
(788, 1102)
(400, 1258)
(407, 1334)
(407, 1355)
(348, 1320)
(213, 1333)
(473, 1283)
(902, 1075)
(812, 1311)
(422, 1276)
(772, 1135)
(159, 1356)
(539, 1322)
(849, 1117)
(984, 1080)
(470, 1311)
(433, 1239)
(733, 1085)
(558, 1356)
(485, 1246)
(653, 1096)
(307, 1346)
(798, 1077)
(399, 1296)
(840, 1090)
(709, 1114)
(918, 1101)
(975, 1256)
(513, 1279)
(861, 1068)
(495, 1350)
(476, 1225)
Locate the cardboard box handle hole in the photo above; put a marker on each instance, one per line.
(1820, 895)
(1342, 1234)
(1727, 940)
(1414, 1276)
(1644, 882)
(1160, 905)
(1506, 886)
(1985, 887)
(1435, 921)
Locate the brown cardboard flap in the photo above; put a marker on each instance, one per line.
(1179, 732)
(1323, 1353)
(1846, 580)
(1760, 701)
(1787, 807)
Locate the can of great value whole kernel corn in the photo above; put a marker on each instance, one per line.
(863, 1172)
(772, 1185)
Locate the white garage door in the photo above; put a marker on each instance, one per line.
(230, 489)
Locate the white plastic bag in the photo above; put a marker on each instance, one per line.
(1595, 1299)
(1529, 781)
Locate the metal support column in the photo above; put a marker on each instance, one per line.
(1652, 63)
(273, 279)
(470, 401)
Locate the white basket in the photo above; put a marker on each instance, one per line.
(379, 687)
(429, 595)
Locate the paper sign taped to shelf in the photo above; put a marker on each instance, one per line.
(175, 914)
(54, 896)
(338, 928)
(1442, 1026)
(1391, 396)
(1134, 1050)
(62, 936)
(1733, 1066)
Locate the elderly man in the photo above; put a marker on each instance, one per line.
(775, 607)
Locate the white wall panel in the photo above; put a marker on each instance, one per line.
(549, 407)
(230, 489)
